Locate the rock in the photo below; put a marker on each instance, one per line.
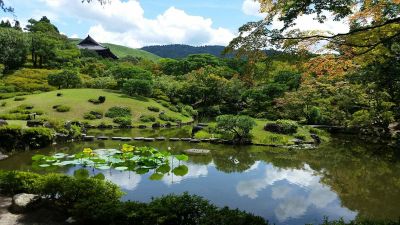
(195, 140)
(317, 139)
(2, 156)
(156, 125)
(149, 139)
(297, 141)
(138, 138)
(102, 138)
(196, 129)
(22, 202)
(116, 138)
(126, 139)
(59, 137)
(70, 220)
(34, 123)
(88, 138)
(205, 140)
(174, 139)
(197, 151)
(142, 126)
(186, 139)
(3, 123)
(214, 140)
(160, 138)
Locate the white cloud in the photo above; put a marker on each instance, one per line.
(195, 171)
(74, 36)
(123, 22)
(252, 8)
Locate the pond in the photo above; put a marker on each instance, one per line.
(342, 179)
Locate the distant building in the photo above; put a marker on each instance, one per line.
(90, 44)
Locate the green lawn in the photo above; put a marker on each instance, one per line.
(77, 99)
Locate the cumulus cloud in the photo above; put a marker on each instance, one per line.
(195, 171)
(252, 8)
(123, 22)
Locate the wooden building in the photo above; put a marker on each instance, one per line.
(90, 44)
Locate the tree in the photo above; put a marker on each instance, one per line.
(65, 79)
(122, 73)
(5, 8)
(237, 127)
(13, 48)
(134, 87)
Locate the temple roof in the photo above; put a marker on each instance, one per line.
(90, 44)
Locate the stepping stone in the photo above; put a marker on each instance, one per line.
(160, 138)
(197, 151)
(142, 126)
(186, 139)
(149, 139)
(116, 138)
(195, 140)
(213, 140)
(204, 140)
(102, 138)
(88, 138)
(138, 138)
(3, 156)
(174, 139)
(126, 139)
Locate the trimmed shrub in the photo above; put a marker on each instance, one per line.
(14, 137)
(3, 104)
(63, 108)
(147, 119)
(118, 111)
(282, 127)
(165, 117)
(59, 94)
(14, 116)
(37, 137)
(153, 109)
(93, 115)
(19, 98)
(123, 121)
(100, 100)
(134, 87)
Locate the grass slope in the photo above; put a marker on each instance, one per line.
(77, 99)
(122, 51)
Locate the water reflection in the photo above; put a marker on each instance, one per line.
(342, 179)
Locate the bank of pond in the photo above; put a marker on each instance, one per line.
(279, 185)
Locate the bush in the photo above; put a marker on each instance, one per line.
(165, 117)
(14, 116)
(238, 127)
(100, 100)
(147, 119)
(30, 80)
(63, 108)
(19, 98)
(65, 79)
(282, 127)
(153, 109)
(14, 137)
(94, 201)
(93, 115)
(118, 111)
(123, 121)
(3, 104)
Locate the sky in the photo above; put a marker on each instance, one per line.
(138, 23)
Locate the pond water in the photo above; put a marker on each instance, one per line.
(342, 179)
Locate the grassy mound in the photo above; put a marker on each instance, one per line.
(77, 100)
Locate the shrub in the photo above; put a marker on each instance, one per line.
(101, 83)
(92, 115)
(14, 116)
(165, 117)
(65, 79)
(3, 104)
(19, 98)
(14, 137)
(30, 80)
(282, 127)
(100, 100)
(173, 108)
(238, 127)
(59, 94)
(123, 121)
(153, 109)
(37, 137)
(118, 111)
(147, 119)
(63, 108)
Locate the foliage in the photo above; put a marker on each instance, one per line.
(282, 127)
(14, 137)
(134, 87)
(65, 79)
(238, 127)
(13, 48)
(93, 115)
(153, 109)
(19, 98)
(101, 83)
(29, 80)
(100, 100)
(118, 111)
(147, 119)
(123, 121)
(123, 73)
(62, 108)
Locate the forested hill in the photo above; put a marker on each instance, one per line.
(177, 51)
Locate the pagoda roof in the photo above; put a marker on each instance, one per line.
(90, 44)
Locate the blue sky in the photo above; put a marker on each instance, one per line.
(138, 23)
(144, 22)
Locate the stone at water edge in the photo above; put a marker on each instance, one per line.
(197, 151)
(3, 123)
(2, 156)
(21, 202)
(70, 220)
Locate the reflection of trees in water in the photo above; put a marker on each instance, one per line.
(233, 160)
(365, 182)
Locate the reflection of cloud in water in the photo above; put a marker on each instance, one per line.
(292, 204)
(195, 171)
(126, 180)
(253, 167)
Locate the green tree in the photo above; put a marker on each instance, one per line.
(122, 73)
(237, 127)
(13, 48)
(137, 87)
(65, 79)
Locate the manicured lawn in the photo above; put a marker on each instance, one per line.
(77, 99)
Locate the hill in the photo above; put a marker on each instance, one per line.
(177, 51)
(123, 51)
(77, 100)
